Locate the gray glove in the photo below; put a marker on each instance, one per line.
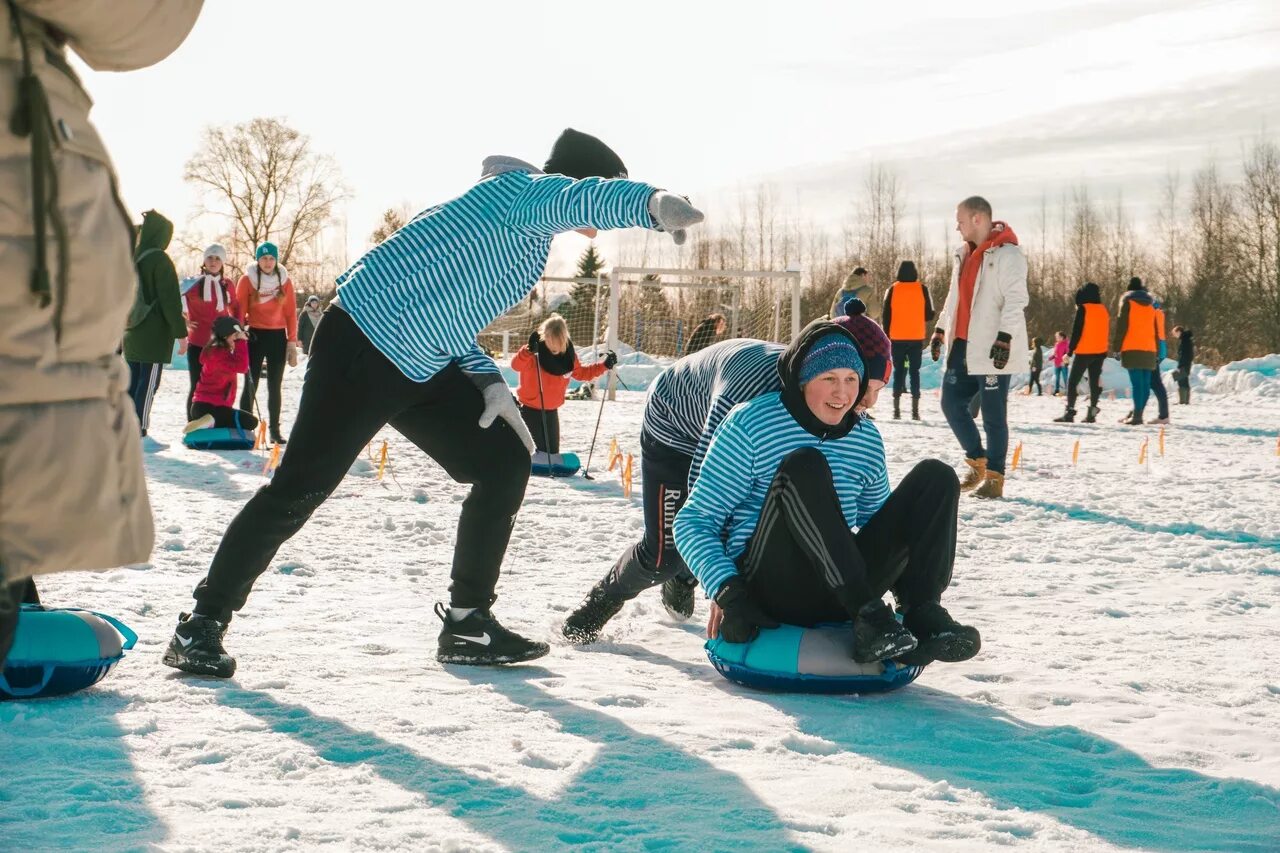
(498, 403)
(673, 214)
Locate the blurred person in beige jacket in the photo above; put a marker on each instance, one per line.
(72, 490)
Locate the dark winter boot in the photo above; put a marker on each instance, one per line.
(478, 639)
(1184, 396)
(677, 597)
(1091, 415)
(277, 438)
(915, 408)
(897, 407)
(1068, 417)
(939, 636)
(878, 635)
(196, 647)
(1135, 419)
(585, 624)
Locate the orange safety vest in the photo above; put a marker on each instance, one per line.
(1094, 335)
(906, 311)
(1141, 334)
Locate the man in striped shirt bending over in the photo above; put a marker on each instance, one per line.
(398, 347)
(767, 527)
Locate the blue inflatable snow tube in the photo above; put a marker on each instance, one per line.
(792, 659)
(556, 465)
(61, 650)
(219, 438)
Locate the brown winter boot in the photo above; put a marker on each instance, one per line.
(992, 486)
(977, 473)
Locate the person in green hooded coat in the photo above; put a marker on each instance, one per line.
(156, 320)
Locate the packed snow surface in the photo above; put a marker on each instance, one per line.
(1127, 695)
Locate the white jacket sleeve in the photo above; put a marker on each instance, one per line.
(1013, 292)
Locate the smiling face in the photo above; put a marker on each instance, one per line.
(830, 395)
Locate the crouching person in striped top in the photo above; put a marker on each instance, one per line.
(685, 406)
(398, 347)
(767, 528)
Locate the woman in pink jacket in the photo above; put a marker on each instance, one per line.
(1059, 361)
(206, 297)
(222, 360)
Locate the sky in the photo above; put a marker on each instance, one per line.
(712, 98)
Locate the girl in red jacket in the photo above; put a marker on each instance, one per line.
(556, 362)
(222, 360)
(206, 297)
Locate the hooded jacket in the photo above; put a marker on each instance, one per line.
(713, 528)
(308, 322)
(1089, 331)
(73, 495)
(157, 320)
(998, 303)
(1136, 335)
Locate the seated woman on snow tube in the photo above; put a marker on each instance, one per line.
(767, 527)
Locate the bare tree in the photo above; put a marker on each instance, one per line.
(265, 181)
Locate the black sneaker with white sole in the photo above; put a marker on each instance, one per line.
(585, 624)
(677, 597)
(479, 640)
(196, 647)
(878, 635)
(940, 638)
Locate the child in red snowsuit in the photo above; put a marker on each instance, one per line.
(222, 360)
(550, 353)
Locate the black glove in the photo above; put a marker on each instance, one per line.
(1000, 350)
(935, 345)
(533, 342)
(610, 360)
(743, 618)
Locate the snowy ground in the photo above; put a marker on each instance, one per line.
(1127, 695)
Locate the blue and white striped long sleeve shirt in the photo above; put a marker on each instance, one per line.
(423, 295)
(714, 527)
(689, 401)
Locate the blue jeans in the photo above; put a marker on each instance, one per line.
(1158, 391)
(959, 387)
(1141, 382)
(1059, 378)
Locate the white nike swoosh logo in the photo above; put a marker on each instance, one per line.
(184, 641)
(483, 639)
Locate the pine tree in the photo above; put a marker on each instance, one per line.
(393, 219)
(580, 310)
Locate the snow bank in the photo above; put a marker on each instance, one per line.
(1255, 377)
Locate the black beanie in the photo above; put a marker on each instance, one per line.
(580, 155)
(907, 272)
(1135, 283)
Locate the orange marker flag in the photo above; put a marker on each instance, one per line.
(1162, 441)
(626, 478)
(382, 463)
(272, 461)
(260, 437)
(1017, 456)
(1142, 451)
(1075, 453)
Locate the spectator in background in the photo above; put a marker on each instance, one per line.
(855, 284)
(155, 321)
(705, 333)
(1186, 357)
(206, 297)
(308, 319)
(1060, 349)
(1135, 340)
(265, 292)
(908, 309)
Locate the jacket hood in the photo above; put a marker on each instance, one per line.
(500, 164)
(155, 234)
(1142, 297)
(789, 364)
(1089, 294)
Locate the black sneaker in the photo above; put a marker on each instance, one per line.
(878, 635)
(677, 597)
(941, 637)
(1068, 417)
(479, 640)
(277, 438)
(196, 647)
(585, 624)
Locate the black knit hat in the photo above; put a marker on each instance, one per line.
(224, 326)
(580, 155)
(1135, 283)
(907, 272)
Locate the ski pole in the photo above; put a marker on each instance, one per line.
(586, 472)
(546, 434)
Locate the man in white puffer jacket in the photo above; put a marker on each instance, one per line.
(985, 331)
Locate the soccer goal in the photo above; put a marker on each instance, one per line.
(658, 314)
